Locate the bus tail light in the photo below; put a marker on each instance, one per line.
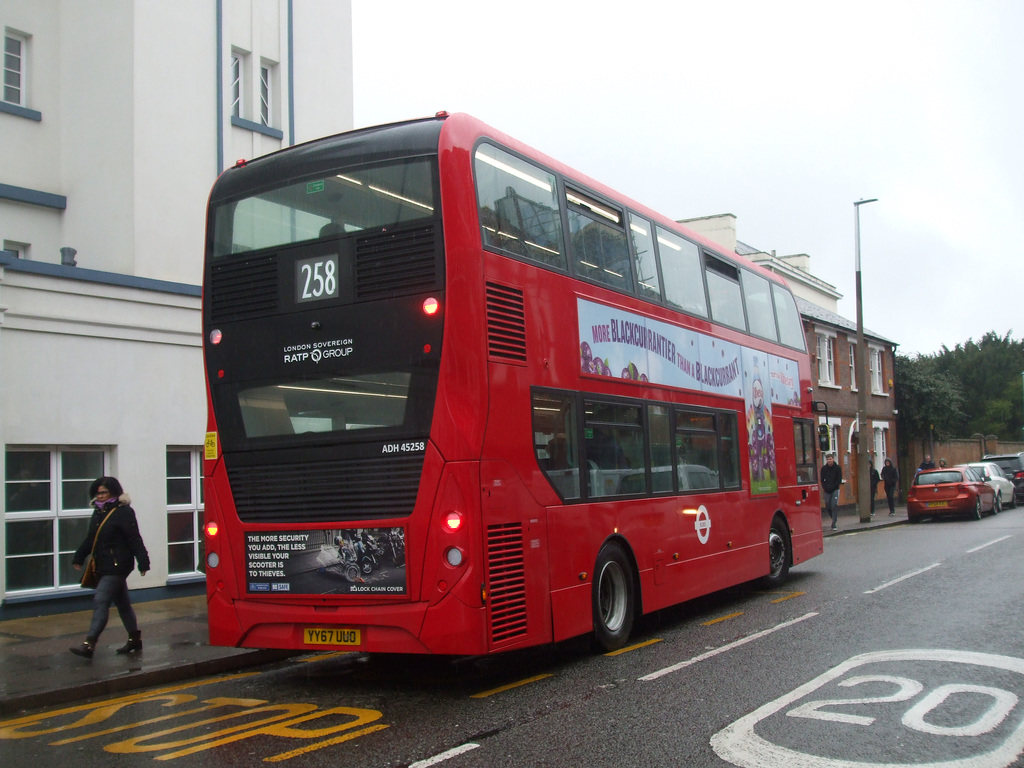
(212, 558)
(453, 521)
(431, 306)
(216, 337)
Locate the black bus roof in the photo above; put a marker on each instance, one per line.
(405, 139)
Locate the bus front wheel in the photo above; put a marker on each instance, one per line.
(613, 597)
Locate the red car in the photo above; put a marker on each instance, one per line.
(950, 491)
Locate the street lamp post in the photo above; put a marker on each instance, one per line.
(863, 474)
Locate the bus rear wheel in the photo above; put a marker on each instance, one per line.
(780, 553)
(614, 603)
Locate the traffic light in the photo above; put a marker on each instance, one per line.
(824, 444)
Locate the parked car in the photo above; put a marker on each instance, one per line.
(1012, 465)
(991, 473)
(950, 491)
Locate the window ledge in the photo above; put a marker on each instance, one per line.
(828, 385)
(185, 578)
(14, 109)
(249, 125)
(33, 197)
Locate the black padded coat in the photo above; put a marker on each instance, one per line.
(120, 544)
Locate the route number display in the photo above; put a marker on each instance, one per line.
(316, 279)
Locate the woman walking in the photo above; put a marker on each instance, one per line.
(116, 545)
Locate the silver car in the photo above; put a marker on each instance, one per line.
(998, 481)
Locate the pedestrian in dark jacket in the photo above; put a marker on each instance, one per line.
(116, 545)
(831, 479)
(890, 480)
(875, 480)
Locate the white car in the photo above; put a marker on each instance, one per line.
(999, 482)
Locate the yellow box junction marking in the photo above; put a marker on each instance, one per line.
(233, 720)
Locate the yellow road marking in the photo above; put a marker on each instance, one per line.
(629, 648)
(96, 711)
(790, 596)
(723, 618)
(322, 744)
(510, 686)
(322, 656)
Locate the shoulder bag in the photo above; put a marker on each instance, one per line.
(89, 576)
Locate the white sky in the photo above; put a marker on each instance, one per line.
(782, 113)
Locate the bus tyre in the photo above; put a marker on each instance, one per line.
(780, 553)
(613, 597)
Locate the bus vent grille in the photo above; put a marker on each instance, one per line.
(395, 262)
(506, 324)
(242, 288)
(506, 582)
(341, 490)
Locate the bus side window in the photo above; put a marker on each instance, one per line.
(681, 270)
(644, 261)
(518, 207)
(554, 440)
(697, 451)
(659, 428)
(791, 329)
(614, 447)
(730, 444)
(724, 292)
(803, 444)
(708, 451)
(758, 297)
(598, 237)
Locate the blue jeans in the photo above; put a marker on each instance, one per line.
(111, 589)
(832, 505)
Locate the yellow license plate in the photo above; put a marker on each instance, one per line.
(331, 636)
(934, 504)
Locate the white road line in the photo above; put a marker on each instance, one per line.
(989, 544)
(901, 578)
(455, 752)
(724, 648)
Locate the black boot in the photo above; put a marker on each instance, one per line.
(134, 644)
(85, 650)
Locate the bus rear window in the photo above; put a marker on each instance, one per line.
(348, 200)
(330, 404)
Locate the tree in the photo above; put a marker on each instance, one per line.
(989, 373)
(976, 387)
(928, 400)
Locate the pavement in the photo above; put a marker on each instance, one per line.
(37, 670)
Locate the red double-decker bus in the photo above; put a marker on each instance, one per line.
(464, 399)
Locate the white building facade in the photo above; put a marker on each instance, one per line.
(108, 149)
